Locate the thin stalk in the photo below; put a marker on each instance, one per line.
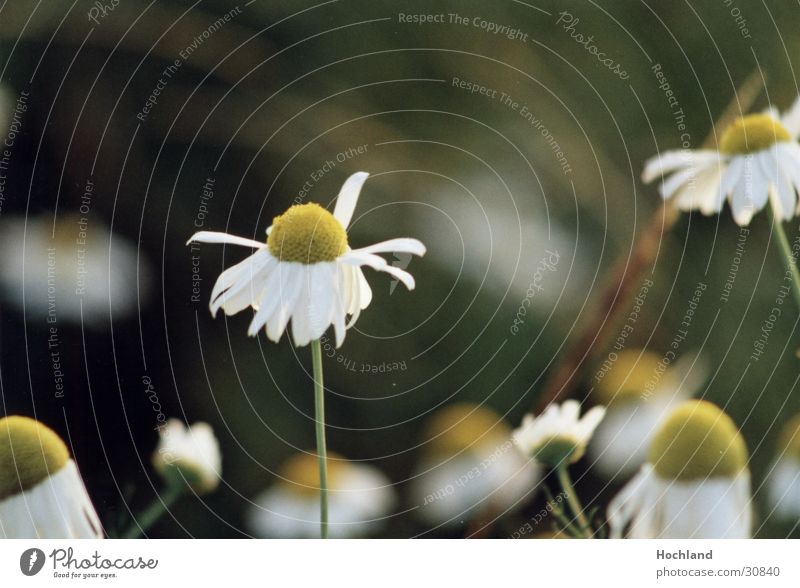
(322, 451)
(786, 252)
(572, 500)
(152, 513)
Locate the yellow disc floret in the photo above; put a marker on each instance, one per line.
(697, 441)
(307, 233)
(465, 426)
(752, 133)
(29, 453)
(628, 377)
(789, 443)
(301, 472)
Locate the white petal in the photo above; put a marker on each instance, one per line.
(680, 179)
(323, 298)
(402, 245)
(669, 161)
(731, 176)
(301, 328)
(249, 284)
(214, 237)
(791, 119)
(348, 198)
(380, 264)
(291, 288)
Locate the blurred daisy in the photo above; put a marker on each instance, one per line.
(758, 160)
(42, 495)
(639, 392)
(558, 436)
(360, 498)
(695, 484)
(189, 455)
(783, 484)
(470, 469)
(306, 271)
(73, 270)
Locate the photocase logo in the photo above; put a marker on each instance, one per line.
(31, 561)
(401, 261)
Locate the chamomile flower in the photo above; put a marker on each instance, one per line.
(470, 471)
(558, 436)
(75, 267)
(189, 455)
(360, 499)
(639, 392)
(42, 495)
(758, 159)
(306, 271)
(783, 483)
(695, 484)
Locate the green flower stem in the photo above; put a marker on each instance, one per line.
(152, 513)
(322, 452)
(786, 252)
(572, 499)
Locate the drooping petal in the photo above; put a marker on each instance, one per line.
(215, 237)
(380, 264)
(348, 198)
(403, 245)
(246, 284)
(669, 161)
(290, 291)
(323, 298)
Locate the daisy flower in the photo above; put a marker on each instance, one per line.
(783, 483)
(558, 436)
(306, 271)
(361, 497)
(470, 471)
(695, 484)
(639, 394)
(757, 159)
(75, 267)
(42, 495)
(189, 455)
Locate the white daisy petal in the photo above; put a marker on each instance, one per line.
(225, 238)
(348, 198)
(791, 119)
(670, 161)
(395, 246)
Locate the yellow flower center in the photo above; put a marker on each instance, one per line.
(307, 233)
(463, 426)
(29, 453)
(752, 133)
(697, 441)
(789, 443)
(628, 377)
(301, 472)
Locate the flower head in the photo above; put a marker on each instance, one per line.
(306, 271)
(639, 392)
(189, 455)
(783, 482)
(758, 159)
(558, 436)
(360, 499)
(470, 468)
(695, 483)
(41, 492)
